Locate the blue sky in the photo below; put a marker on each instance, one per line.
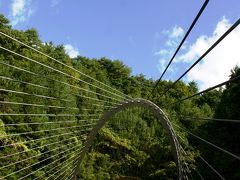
(143, 34)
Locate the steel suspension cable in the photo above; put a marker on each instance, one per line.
(38, 105)
(183, 170)
(183, 40)
(17, 162)
(209, 89)
(35, 95)
(207, 119)
(199, 174)
(180, 138)
(42, 105)
(48, 130)
(54, 169)
(206, 53)
(203, 161)
(38, 163)
(55, 98)
(23, 82)
(56, 70)
(38, 147)
(201, 177)
(75, 94)
(51, 162)
(44, 87)
(62, 173)
(207, 142)
(210, 166)
(63, 167)
(70, 175)
(62, 63)
(186, 172)
(44, 138)
(55, 80)
(50, 115)
(47, 122)
(183, 160)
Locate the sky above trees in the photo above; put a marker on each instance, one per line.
(143, 34)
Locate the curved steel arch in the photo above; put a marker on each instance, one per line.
(159, 114)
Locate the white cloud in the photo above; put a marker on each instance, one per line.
(71, 51)
(161, 52)
(55, 2)
(165, 56)
(195, 50)
(215, 67)
(17, 6)
(173, 38)
(20, 11)
(176, 32)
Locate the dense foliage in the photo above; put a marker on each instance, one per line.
(133, 145)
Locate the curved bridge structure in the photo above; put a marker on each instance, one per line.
(158, 113)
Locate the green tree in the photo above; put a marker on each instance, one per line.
(225, 134)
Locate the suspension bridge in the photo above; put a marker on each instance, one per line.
(75, 113)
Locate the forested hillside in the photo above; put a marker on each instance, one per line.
(128, 147)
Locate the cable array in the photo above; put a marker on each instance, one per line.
(199, 156)
(40, 121)
(183, 40)
(38, 147)
(70, 67)
(51, 80)
(186, 118)
(210, 166)
(205, 54)
(189, 118)
(209, 89)
(209, 143)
